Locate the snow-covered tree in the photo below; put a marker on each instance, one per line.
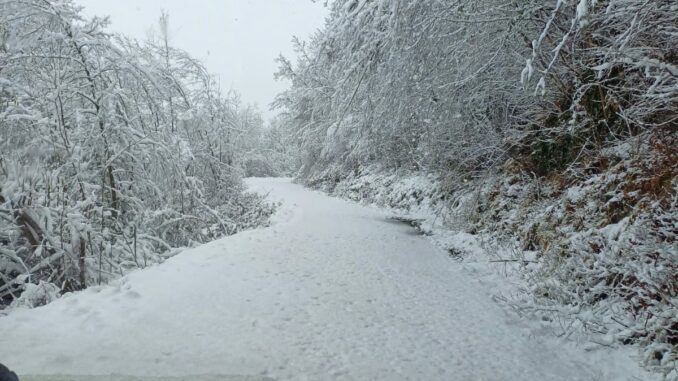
(112, 152)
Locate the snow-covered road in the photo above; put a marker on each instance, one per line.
(332, 290)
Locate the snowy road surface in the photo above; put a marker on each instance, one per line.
(331, 290)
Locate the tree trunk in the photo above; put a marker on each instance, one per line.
(82, 278)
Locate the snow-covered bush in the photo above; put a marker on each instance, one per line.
(36, 295)
(605, 245)
(604, 70)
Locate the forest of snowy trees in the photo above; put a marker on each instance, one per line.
(113, 152)
(552, 125)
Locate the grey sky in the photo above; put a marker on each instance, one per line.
(236, 39)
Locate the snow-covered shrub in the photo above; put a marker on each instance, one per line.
(403, 191)
(605, 71)
(36, 295)
(605, 245)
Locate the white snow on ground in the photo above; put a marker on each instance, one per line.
(332, 290)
